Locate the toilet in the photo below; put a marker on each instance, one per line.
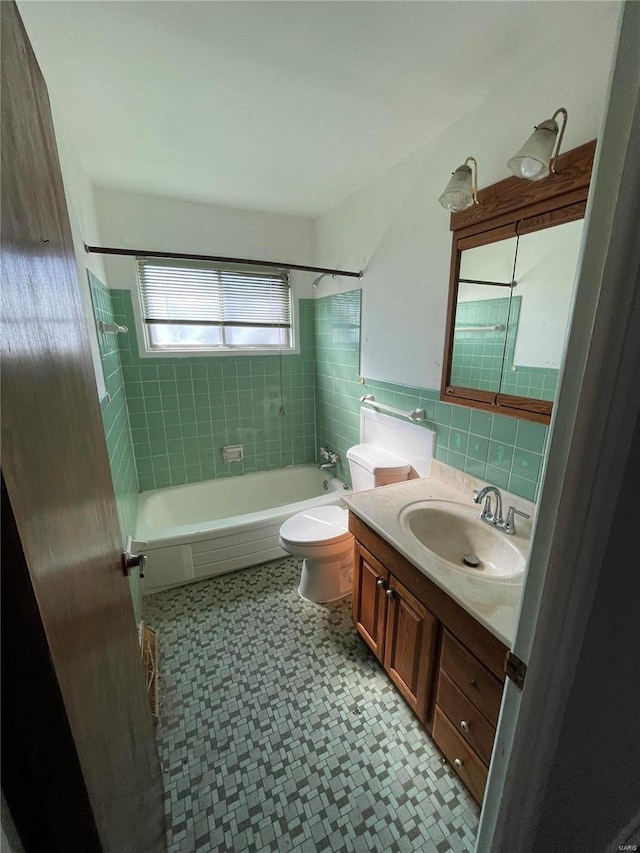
(321, 535)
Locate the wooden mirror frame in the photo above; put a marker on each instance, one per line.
(507, 209)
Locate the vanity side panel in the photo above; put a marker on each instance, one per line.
(489, 649)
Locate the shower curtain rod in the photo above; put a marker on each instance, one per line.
(140, 253)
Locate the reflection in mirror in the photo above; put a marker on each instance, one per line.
(482, 335)
(545, 270)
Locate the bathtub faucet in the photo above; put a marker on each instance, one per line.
(331, 458)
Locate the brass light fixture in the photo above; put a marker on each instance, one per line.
(537, 157)
(462, 190)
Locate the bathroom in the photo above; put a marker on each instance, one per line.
(167, 418)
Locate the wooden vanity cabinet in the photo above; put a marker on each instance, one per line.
(410, 645)
(397, 627)
(369, 602)
(467, 706)
(447, 666)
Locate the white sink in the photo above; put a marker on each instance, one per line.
(454, 533)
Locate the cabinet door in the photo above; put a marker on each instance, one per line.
(409, 646)
(370, 581)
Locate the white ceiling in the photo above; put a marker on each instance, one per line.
(280, 106)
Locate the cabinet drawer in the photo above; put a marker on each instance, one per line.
(465, 717)
(463, 759)
(472, 677)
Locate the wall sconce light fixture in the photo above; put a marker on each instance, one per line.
(462, 190)
(536, 158)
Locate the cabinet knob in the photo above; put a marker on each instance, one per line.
(458, 763)
(391, 594)
(473, 683)
(464, 725)
(381, 582)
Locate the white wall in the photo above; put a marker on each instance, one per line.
(395, 228)
(491, 262)
(82, 216)
(131, 220)
(546, 272)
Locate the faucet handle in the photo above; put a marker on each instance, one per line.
(509, 524)
(487, 510)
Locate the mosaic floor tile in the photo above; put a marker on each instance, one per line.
(281, 732)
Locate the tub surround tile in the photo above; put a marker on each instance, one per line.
(115, 419)
(304, 746)
(266, 403)
(208, 402)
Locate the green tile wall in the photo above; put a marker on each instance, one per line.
(337, 334)
(540, 383)
(184, 410)
(478, 356)
(116, 426)
(500, 450)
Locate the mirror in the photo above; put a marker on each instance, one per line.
(545, 268)
(512, 312)
(482, 315)
(511, 291)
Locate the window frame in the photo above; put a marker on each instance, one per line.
(146, 350)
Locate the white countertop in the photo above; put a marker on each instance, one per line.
(494, 603)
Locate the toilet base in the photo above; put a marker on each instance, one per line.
(325, 580)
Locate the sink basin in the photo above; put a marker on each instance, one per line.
(454, 533)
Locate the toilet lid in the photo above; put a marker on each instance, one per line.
(316, 525)
(376, 460)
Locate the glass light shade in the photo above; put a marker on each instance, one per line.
(458, 194)
(532, 160)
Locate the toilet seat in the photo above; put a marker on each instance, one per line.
(320, 525)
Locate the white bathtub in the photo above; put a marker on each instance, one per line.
(204, 529)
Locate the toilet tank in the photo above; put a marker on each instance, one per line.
(371, 466)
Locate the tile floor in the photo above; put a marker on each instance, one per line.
(281, 732)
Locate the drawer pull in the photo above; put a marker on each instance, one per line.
(457, 763)
(464, 725)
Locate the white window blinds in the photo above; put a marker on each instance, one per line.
(202, 305)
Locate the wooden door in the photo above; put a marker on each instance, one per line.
(409, 646)
(370, 581)
(76, 702)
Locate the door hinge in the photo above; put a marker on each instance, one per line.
(515, 669)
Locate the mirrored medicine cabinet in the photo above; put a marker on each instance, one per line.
(513, 264)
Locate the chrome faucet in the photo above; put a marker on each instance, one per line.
(487, 513)
(495, 518)
(331, 458)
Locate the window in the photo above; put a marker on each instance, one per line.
(197, 305)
